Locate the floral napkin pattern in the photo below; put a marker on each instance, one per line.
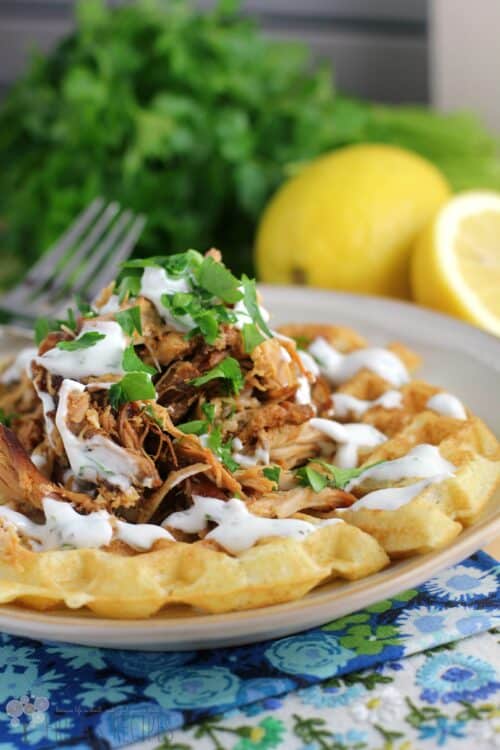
(55, 695)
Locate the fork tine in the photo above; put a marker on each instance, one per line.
(42, 271)
(117, 256)
(60, 282)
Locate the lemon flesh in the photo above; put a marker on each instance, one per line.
(348, 220)
(456, 262)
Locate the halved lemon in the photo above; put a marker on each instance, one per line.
(455, 265)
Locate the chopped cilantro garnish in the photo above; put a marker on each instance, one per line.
(209, 411)
(43, 326)
(195, 427)
(217, 279)
(6, 419)
(130, 320)
(252, 337)
(229, 369)
(222, 450)
(85, 341)
(129, 286)
(252, 305)
(334, 476)
(132, 363)
(272, 473)
(85, 310)
(150, 412)
(134, 386)
(70, 322)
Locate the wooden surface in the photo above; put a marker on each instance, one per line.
(493, 549)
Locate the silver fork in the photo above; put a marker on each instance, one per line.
(80, 263)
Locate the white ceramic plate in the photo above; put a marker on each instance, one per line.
(458, 356)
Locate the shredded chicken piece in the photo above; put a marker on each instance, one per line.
(285, 504)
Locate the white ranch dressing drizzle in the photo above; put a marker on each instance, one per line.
(19, 366)
(48, 405)
(350, 438)
(155, 283)
(39, 460)
(97, 457)
(346, 404)
(303, 393)
(65, 526)
(103, 358)
(338, 368)
(447, 405)
(395, 497)
(237, 528)
(111, 306)
(424, 461)
(261, 455)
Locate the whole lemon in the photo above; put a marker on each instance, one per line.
(348, 220)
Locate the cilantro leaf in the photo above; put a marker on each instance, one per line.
(85, 310)
(252, 305)
(130, 320)
(252, 337)
(43, 326)
(134, 386)
(340, 478)
(129, 286)
(132, 363)
(208, 410)
(85, 341)
(222, 450)
(229, 369)
(272, 473)
(195, 427)
(309, 477)
(6, 419)
(217, 279)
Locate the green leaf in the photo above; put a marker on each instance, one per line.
(130, 320)
(272, 473)
(132, 363)
(336, 476)
(128, 286)
(229, 369)
(309, 477)
(6, 419)
(134, 386)
(252, 337)
(196, 427)
(222, 450)
(43, 326)
(85, 341)
(208, 410)
(217, 279)
(252, 305)
(86, 310)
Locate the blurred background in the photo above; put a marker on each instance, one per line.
(198, 114)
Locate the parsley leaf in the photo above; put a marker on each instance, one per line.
(217, 279)
(222, 450)
(85, 341)
(195, 427)
(252, 337)
(6, 419)
(130, 320)
(252, 305)
(229, 369)
(272, 473)
(134, 386)
(309, 477)
(132, 363)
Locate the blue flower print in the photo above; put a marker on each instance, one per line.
(263, 687)
(441, 729)
(268, 704)
(456, 677)
(78, 656)
(321, 697)
(142, 663)
(194, 687)
(426, 625)
(136, 722)
(15, 682)
(112, 690)
(467, 621)
(53, 731)
(19, 657)
(463, 583)
(311, 655)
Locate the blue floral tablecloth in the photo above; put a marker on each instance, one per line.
(291, 692)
